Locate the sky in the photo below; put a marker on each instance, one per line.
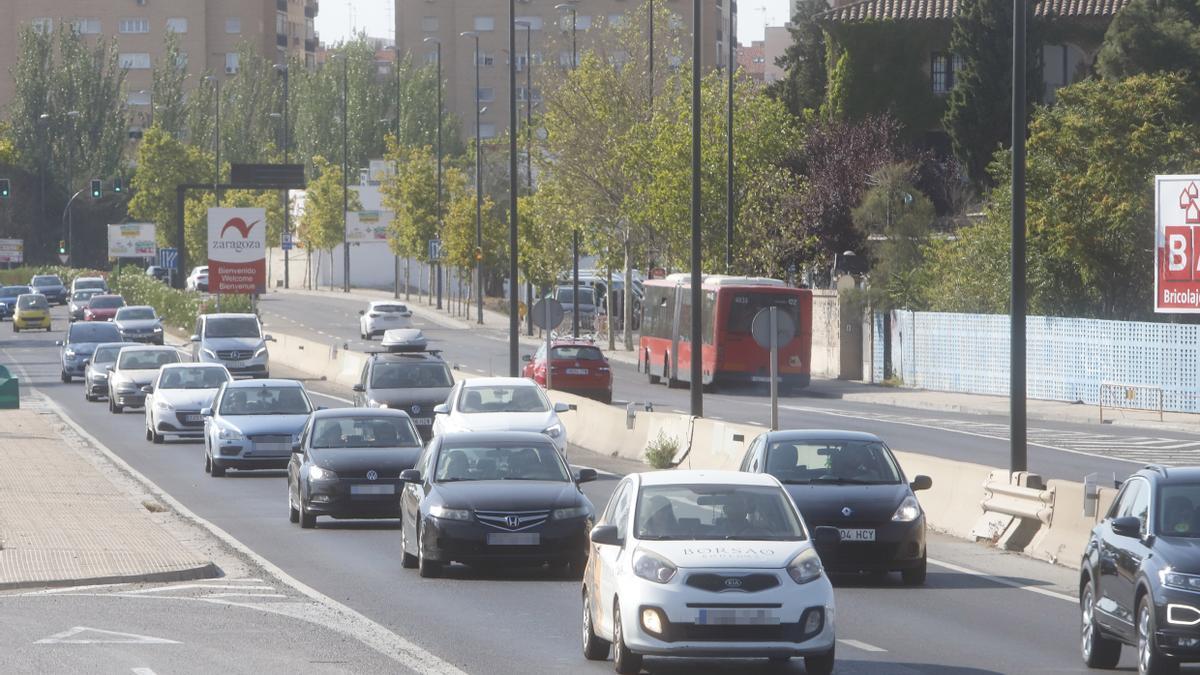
(339, 19)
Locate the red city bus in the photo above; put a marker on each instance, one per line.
(730, 354)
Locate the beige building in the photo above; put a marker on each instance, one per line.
(209, 31)
(446, 19)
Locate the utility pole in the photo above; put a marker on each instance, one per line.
(730, 200)
(287, 206)
(570, 7)
(696, 342)
(345, 172)
(514, 347)
(478, 186)
(1018, 460)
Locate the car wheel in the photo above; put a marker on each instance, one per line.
(1150, 660)
(307, 520)
(820, 664)
(156, 438)
(65, 377)
(407, 560)
(207, 461)
(650, 376)
(214, 470)
(149, 434)
(1097, 651)
(624, 661)
(425, 567)
(594, 647)
(916, 575)
(293, 512)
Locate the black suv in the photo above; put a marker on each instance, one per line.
(414, 382)
(1140, 575)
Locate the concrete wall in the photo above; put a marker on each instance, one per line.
(826, 338)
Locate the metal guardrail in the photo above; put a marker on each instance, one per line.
(1142, 397)
(1019, 501)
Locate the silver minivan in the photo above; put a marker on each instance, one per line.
(235, 341)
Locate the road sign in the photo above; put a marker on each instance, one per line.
(12, 251)
(555, 317)
(760, 328)
(168, 257)
(435, 250)
(237, 251)
(1177, 244)
(286, 242)
(63, 258)
(268, 176)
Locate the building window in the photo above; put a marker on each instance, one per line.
(281, 23)
(521, 96)
(133, 26)
(138, 98)
(582, 22)
(486, 59)
(941, 78)
(430, 24)
(232, 62)
(86, 26)
(487, 130)
(431, 58)
(181, 61)
(485, 23)
(675, 22)
(42, 25)
(616, 20)
(487, 95)
(233, 26)
(179, 25)
(135, 61)
(535, 22)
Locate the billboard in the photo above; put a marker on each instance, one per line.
(367, 226)
(132, 240)
(1177, 244)
(237, 251)
(12, 251)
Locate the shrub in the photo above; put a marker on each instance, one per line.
(660, 453)
(177, 308)
(21, 275)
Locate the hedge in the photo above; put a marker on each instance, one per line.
(177, 308)
(21, 275)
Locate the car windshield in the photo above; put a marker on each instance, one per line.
(136, 314)
(81, 296)
(364, 432)
(709, 512)
(106, 302)
(265, 400)
(832, 461)
(576, 353)
(1179, 510)
(501, 462)
(417, 375)
(146, 359)
(192, 378)
(585, 296)
(502, 399)
(389, 309)
(14, 291)
(89, 283)
(232, 327)
(106, 354)
(93, 332)
(32, 302)
(47, 280)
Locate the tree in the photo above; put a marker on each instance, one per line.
(1150, 36)
(803, 86)
(323, 225)
(978, 111)
(165, 162)
(168, 101)
(412, 194)
(896, 211)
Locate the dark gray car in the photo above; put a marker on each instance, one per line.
(79, 344)
(139, 323)
(414, 383)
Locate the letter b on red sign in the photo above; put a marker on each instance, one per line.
(1178, 257)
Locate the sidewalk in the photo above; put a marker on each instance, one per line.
(64, 523)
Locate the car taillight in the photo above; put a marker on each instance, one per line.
(373, 315)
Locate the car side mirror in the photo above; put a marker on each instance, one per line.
(410, 476)
(58, 343)
(585, 476)
(606, 535)
(297, 447)
(148, 389)
(358, 388)
(322, 407)
(206, 412)
(268, 338)
(561, 407)
(195, 338)
(108, 368)
(921, 483)
(825, 537)
(1127, 526)
(441, 409)
(362, 312)
(526, 358)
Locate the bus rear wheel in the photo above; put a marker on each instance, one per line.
(650, 376)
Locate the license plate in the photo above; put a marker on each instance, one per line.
(577, 371)
(193, 418)
(514, 538)
(857, 534)
(272, 448)
(373, 489)
(423, 421)
(736, 617)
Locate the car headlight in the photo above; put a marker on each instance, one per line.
(908, 511)
(209, 353)
(261, 350)
(158, 329)
(165, 406)
(1187, 582)
(573, 512)
(317, 473)
(449, 514)
(227, 434)
(653, 567)
(70, 353)
(554, 430)
(805, 567)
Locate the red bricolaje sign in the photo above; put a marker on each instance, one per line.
(237, 262)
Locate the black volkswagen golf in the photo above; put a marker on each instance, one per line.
(1139, 578)
(494, 498)
(850, 480)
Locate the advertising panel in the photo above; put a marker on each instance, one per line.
(237, 251)
(12, 251)
(132, 240)
(367, 226)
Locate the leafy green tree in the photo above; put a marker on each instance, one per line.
(902, 217)
(248, 132)
(169, 111)
(979, 110)
(323, 225)
(165, 162)
(1149, 36)
(803, 86)
(412, 195)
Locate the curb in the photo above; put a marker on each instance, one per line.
(209, 570)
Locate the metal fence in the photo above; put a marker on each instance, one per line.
(1068, 359)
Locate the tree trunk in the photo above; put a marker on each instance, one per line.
(608, 292)
(407, 269)
(627, 310)
(331, 269)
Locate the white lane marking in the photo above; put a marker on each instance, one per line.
(183, 587)
(861, 645)
(143, 671)
(246, 595)
(1004, 582)
(71, 589)
(103, 637)
(331, 398)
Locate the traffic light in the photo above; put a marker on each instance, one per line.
(117, 187)
(4, 188)
(478, 254)
(62, 246)
(97, 188)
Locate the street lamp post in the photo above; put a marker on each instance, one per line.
(216, 139)
(437, 264)
(399, 129)
(287, 207)
(570, 6)
(528, 148)
(345, 173)
(650, 70)
(514, 347)
(478, 186)
(730, 204)
(697, 371)
(73, 115)
(1018, 460)
(42, 121)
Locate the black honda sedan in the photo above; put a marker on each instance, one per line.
(851, 481)
(494, 498)
(347, 464)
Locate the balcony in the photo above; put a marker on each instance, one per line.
(311, 44)
(281, 5)
(281, 40)
(310, 11)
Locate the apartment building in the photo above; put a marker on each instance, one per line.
(446, 19)
(209, 32)
(751, 60)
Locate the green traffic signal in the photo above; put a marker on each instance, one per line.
(62, 246)
(4, 188)
(97, 189)
(117, 187)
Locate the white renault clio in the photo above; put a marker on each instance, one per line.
(706, 563)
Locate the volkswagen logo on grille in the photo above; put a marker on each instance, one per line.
(513, 521)
(371, 475)
(416, 409)
(733, 582)
(847, 511)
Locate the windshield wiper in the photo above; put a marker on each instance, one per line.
(844, 481)
(796, 481)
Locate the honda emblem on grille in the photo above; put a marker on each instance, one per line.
(733, 582)
(416, 409)
(371, 475)
(847, 511)
(513, 521)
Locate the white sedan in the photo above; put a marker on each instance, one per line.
(382, 316)
(198, 279)
(176, 397)
(706, 563)
(501, 404)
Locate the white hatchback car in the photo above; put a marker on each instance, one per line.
(501, 404)
(176, 397)
(706, 563)
(382, 316)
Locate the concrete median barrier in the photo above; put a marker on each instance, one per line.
(952, 504)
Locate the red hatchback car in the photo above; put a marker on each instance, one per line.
(579, 367)
(103, 307)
